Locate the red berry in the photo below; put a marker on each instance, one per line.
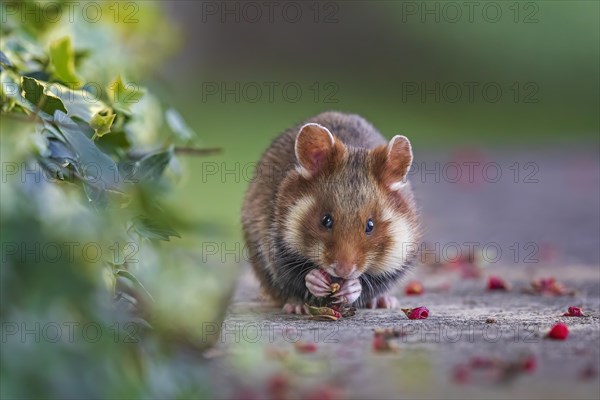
(379, 343)
(416, 313)
(460, 374)
(382, 340)
(278, 385)
(529, 364)
(574, 312)
(482, 362)
(305, 347)
(588, 373)
(559, 331)
(496, 283)
(324, 393)
(549, 253)
(547, 282)
(470, 271)
(414, 288)
(246, 394)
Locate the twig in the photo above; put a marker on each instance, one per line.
(190, 151)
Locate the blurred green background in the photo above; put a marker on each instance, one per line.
(381, 59)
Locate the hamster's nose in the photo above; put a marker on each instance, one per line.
(344, 270)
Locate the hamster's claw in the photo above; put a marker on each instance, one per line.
(295, 308)
(385, 301)
(349, 292)
(317, 284)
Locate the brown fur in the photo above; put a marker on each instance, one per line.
(350, 181)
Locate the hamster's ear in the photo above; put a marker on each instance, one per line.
(314, 145)
(398, 161)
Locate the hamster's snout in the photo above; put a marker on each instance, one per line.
(344, 270)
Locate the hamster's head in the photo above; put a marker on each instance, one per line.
(349, 210)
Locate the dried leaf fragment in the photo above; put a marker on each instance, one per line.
(323, 313)
(549, 287)
(390, 333)
(382, 343)
(276, 353)
(323, 318)
(344, 309)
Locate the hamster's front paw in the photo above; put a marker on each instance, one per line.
(385, 301)
(317, 284)
(295, 308)
(349, 292)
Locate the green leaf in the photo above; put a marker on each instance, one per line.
(178, 125)
(109, 277)
(4, 62)
(128, 275)
(148, 168)
(97, 196)
(80, 103)
(35, 93)
(62, 57)
(60, 152)
(153, 229)
(101, 123)
(96, 167)
(124, 94)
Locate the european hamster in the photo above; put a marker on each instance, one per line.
(330, 202)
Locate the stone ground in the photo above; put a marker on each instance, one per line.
(559, 214)
(257, 342)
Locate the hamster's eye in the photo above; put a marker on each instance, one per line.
(370, 226)
(327, 221)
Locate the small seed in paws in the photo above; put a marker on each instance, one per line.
(335, 287)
